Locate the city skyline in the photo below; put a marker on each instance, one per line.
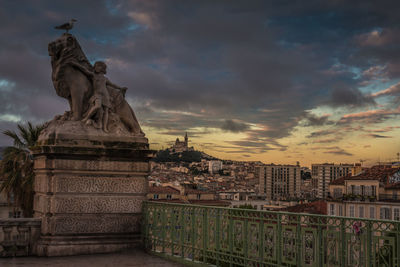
(311, 82)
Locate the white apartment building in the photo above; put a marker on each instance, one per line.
(323, 174)
(214, 166)
(278, 182)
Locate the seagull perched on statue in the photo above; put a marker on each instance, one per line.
(66, 26)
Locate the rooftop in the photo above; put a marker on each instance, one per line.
(163, 189)
(316, 207)
(380, 173)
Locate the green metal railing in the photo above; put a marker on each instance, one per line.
(238, 237)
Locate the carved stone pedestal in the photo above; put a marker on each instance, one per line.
(89, 192)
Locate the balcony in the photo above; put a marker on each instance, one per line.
(353, 197)
(192, 234)
(389, 197)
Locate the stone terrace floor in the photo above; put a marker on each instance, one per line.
(133, 257)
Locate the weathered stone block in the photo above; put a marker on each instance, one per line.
(95, 191)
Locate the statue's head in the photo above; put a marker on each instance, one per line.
(100, 67)
(66, 42)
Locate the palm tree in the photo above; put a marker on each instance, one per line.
(16, 167)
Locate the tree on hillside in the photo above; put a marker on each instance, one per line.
(16, 167)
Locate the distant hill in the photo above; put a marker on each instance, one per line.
(185, 156)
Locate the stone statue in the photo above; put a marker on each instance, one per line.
(91, 163)
(94, 100)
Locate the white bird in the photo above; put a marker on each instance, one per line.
(66, 26)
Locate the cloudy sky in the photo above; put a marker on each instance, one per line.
(276, 81)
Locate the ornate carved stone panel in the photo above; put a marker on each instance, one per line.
(90, 184)
(101, 165)
(89, 224)
(98, 204)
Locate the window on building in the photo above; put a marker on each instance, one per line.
(352, 211)
(357, 190)
(332, 209)
(337, 193)
(396, 214)
(198, 196)
(155, 196)
(372, 212)
(385, 213)
(361, 212)
(373, 188)
(368, 191)
(169, 196)
(340, 210)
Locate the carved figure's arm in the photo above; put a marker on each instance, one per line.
(114, 85)
(82, 68)
(123, 89)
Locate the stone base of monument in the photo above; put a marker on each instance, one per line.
(89, 192)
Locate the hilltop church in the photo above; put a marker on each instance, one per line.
(181, 146)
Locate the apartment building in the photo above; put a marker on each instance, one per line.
(323, 174)
(373, 193)
(279, 182)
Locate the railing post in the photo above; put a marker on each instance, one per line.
(174, 229)
(299, 242)
(163, 226)
(369, 243)
(230, 235)
(245, 235)
(261, 239)
(182, 227)
(279, 239)
(217, 238)
(343, 238)
(205, 234)
(320, 243)
(193, 232)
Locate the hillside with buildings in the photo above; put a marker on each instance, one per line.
(181, 152)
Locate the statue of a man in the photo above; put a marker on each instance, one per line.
(100, 102)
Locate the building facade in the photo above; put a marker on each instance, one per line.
(374, 193)
(214, 166)
(277, 182)
(323, 174)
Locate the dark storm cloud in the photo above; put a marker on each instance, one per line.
(233, 126)
(321, 133)
(314, 120)
(326, 141)
(377, 136)
(334, 150)
(339, 151)
(190, 63)
(350, 97)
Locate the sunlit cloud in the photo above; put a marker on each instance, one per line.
(10, 118)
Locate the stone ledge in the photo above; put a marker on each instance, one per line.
(80, 245)
(20, 221)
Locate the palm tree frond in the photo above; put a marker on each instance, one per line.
(16, 167)
(16, 140)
